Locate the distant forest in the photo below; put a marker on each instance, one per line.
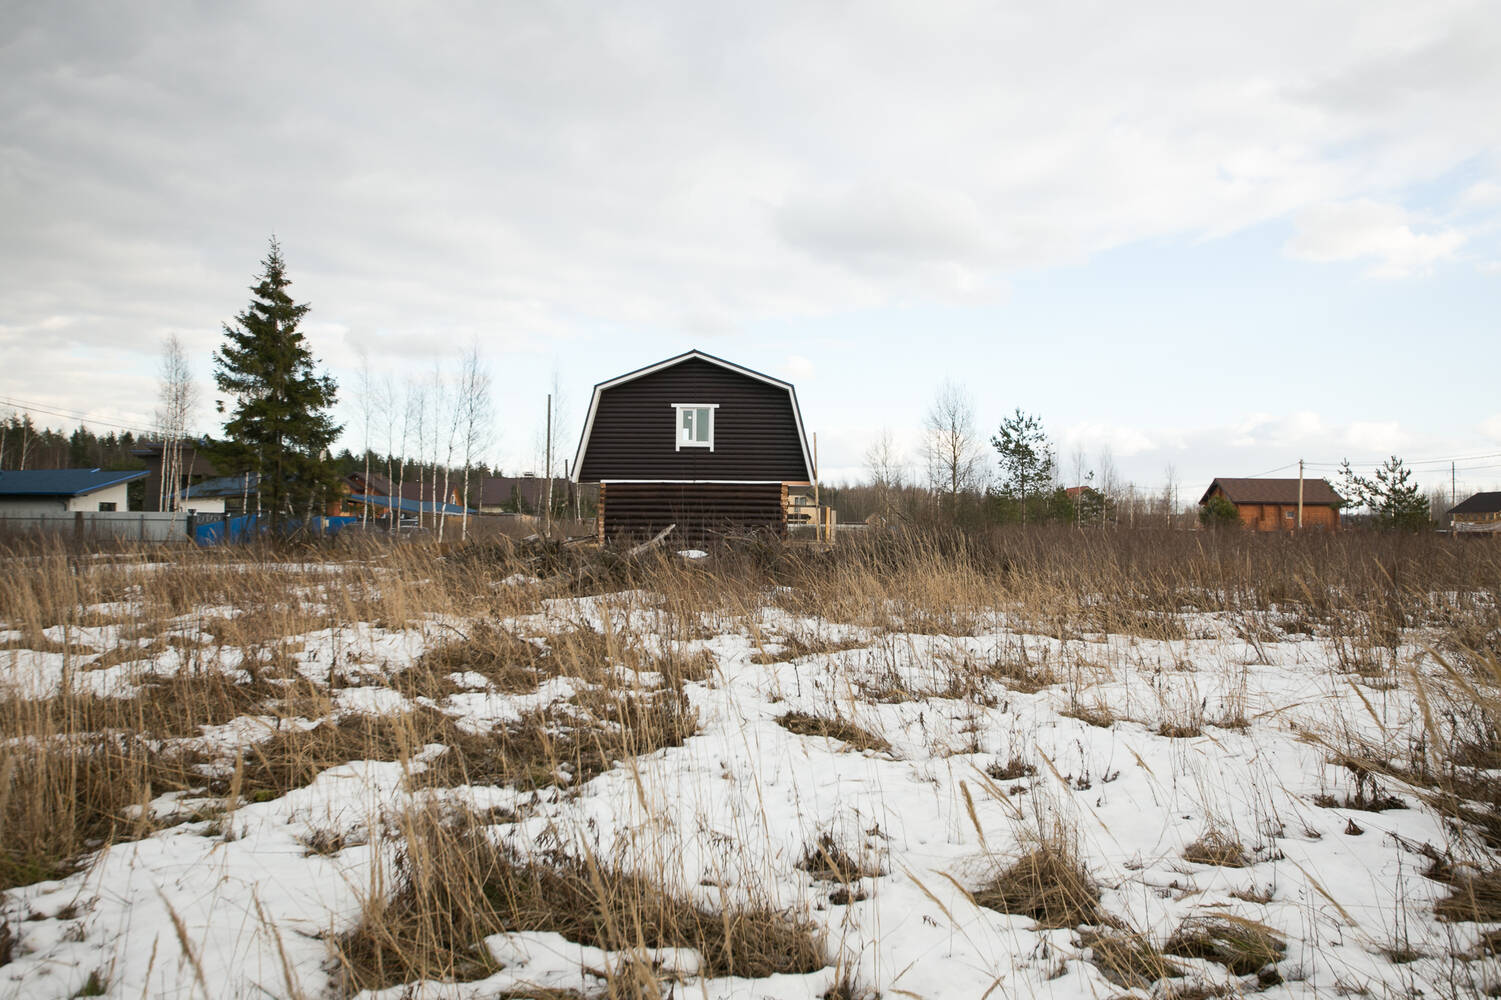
(24, 445)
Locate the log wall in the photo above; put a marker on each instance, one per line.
(703, 512)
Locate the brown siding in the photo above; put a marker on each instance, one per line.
(634, 432)
(703, 512)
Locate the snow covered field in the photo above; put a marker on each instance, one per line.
(1188, 802)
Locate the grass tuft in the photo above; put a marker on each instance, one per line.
(1050, 885)
(456, 885)
(1127, 959)
(1244, 947)
(806, 724)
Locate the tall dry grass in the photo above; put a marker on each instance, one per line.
(78, 762)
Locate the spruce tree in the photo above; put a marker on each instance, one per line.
(278, 426)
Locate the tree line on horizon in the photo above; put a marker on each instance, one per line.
(278, 425)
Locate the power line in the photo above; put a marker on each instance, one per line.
(1268, 472)
(80, 417)
(1410, 464)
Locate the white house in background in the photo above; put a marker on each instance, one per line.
(64, 491)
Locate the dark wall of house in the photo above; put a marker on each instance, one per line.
(703, 513)
(635, 428)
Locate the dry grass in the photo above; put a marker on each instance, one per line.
(456, 884)
(1473, 895)
(67, 796)
(828, 861)
(1049, 884)
(806, 724)
(1216, 847)
(1244, 947)
(75, 767)
(798, 644)
(1127, 959)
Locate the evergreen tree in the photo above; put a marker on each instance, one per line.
(278, 425)
(1217, 512)
(1026, 458)
(1394, 500)
(1403, 504)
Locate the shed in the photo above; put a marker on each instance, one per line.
(61, 491)
(1480, 512)
(1272, 504)
(696, 441)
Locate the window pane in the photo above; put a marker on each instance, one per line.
(687, 425)
(702, 424)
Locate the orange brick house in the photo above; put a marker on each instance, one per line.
(1272, 504)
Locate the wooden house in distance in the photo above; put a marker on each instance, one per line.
(1479, 512)
(1272, 504)
(694, 441)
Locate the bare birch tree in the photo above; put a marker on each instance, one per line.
(178, 399)
(884, 462)
(1110, 484)
(474, 406)
(367, 406)
(450, 407)
(951, 449)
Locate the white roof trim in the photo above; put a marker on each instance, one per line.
(797, 415)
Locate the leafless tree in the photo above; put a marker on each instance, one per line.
(448, 414)
(557, 432)
(1170, 493)
(178, 397)
(367, 407)
(951, 449)
(474, 409)
(1110, 484)
(413, 405)
(884, 462)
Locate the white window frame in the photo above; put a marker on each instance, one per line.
(677, 425)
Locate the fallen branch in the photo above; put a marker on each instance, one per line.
(654, 542)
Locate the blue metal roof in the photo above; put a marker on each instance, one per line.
(409, 506)
(61, 482)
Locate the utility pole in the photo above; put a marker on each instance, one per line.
(817, 510)
(1453, 487)
(547, 514)
(1300, 494)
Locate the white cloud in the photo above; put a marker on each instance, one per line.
(1377, 437)
(1368, 230)
(798, 367)
(1482, 193)
(1491, 427)
(1489, 267)
(535, 175)
(1122, 441)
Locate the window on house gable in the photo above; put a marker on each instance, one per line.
(695, 425)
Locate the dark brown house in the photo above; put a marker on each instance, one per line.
(192, 468)
(1272, 504)
(695, 441)
(1480, 512)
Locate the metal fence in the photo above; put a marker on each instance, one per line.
(99, 526)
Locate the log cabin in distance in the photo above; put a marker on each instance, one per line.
(694, 441)
(1274, 504)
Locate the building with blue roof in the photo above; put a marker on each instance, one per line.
(63, 491)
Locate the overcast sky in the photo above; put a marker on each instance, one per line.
(1217, 238)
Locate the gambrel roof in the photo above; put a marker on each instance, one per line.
(797, 454)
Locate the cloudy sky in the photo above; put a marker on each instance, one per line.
(1208, 237)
